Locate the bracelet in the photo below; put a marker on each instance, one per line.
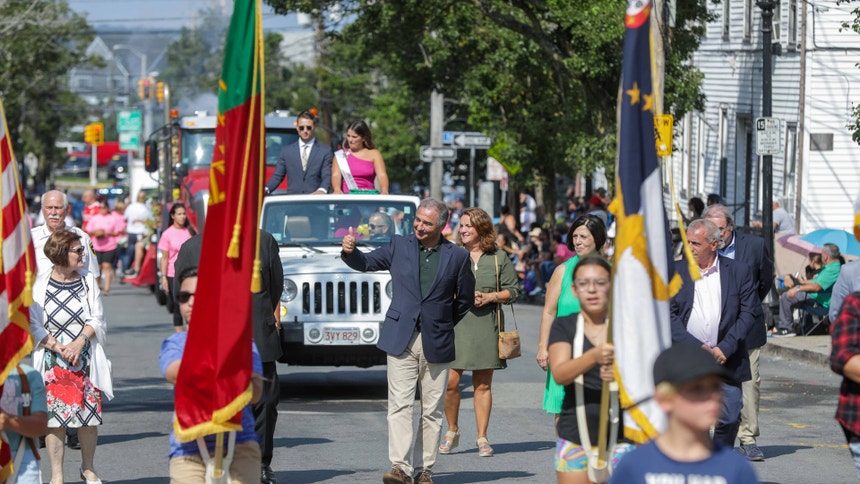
(497, 296)
(84, 336)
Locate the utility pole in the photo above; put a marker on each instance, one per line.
(767, 7)
(437, 108)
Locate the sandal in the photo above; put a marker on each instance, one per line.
(484, 449)
(450, 442)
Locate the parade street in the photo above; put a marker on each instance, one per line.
(332, 421)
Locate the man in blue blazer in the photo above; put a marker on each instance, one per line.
(306, 163)
(717, 312)
(433, 288)
(750, 250)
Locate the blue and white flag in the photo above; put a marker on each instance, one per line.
(643, 279)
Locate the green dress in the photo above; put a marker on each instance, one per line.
(476, 336)
(568, 304)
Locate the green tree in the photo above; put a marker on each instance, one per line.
(540, 76)
(40, 42)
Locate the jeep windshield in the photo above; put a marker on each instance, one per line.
(316, 223)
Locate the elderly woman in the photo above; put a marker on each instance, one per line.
(67, 321)
(586, 236)
(476, 337)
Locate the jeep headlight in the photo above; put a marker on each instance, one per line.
(290, 291)
(388, 289)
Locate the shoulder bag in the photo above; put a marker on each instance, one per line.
(509, 341)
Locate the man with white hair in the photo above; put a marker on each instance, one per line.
(55, 205)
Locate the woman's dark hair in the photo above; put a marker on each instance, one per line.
(595, 226)
(360, 128)
(186, 273)
(483, 225)
(505, 210)
(592, 260)
(58, 245)
(173, 210)
(698, 206)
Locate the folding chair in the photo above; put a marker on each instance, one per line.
(812, 318)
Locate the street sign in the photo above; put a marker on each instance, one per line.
(495, 170)
(444, 152)
(129, 141)
(663, 124)
(448, 137)
(473, 140)
(129, 122)
(768, 136)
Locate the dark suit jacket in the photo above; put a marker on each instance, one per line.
(318, 174)
(737, 314)
(448, 300)
(752, 251)
(271, 282)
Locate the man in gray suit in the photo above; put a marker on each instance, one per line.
(306, 163)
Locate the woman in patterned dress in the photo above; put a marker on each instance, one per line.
(67, 320)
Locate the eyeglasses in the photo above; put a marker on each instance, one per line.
(374, 226)
(581, 284)
(305, 128)
(78, 250)
(184, 297)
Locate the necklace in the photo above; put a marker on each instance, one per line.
(595, 332)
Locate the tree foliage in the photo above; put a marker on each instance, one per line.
(540, 76)
(40, 42)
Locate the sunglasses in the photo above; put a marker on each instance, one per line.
(305, 128)
(374, 226)
(184, 297)
(78, 250)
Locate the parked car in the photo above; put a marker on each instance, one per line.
(118, 167)
(76, 166)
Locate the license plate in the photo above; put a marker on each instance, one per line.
(333, 336)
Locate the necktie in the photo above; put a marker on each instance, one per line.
(305, 157)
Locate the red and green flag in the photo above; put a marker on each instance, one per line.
(214, 380)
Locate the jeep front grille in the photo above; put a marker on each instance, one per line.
(341, 298)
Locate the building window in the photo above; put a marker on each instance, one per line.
(727, 16)
(85, 82)
(777, 20)
(790, 170)
(821, 142)
(792, 24)
(747, 20)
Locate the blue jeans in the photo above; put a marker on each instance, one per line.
(854, 447)
(127, 256)
(730, 417)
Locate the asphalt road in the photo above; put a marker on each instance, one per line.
(332, 425)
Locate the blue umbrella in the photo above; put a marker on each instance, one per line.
(846, 241)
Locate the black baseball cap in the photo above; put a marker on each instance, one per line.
(684, 362)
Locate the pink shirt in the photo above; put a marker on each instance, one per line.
(171, 240)
(563, 252)
(109, 223)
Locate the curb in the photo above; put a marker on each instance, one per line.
(820, 358)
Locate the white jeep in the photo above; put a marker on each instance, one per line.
(332, 315)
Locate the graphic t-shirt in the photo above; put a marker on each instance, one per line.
(647, 464)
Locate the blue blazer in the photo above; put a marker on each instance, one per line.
(737, 314)
(448, 300)
(751, 250)
(318, 174)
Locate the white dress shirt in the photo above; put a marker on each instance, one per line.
(704, 323)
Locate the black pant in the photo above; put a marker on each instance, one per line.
(266, 411)
(171, 293)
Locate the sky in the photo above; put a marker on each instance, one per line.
(164, 14)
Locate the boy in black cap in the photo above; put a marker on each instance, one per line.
(689, 389)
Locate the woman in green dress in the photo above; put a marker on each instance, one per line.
(476, 336)
(586, 235)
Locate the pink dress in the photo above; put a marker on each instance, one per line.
(363, 172)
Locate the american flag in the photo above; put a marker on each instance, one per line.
(17, 270)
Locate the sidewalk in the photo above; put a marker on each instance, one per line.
(813, 350)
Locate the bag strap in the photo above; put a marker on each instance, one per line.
(345, 173)
(498, 304)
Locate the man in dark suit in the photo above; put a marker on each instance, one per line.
(750, 250)
(306, 163)
(717, 312)
(433, 289)
(266, 334)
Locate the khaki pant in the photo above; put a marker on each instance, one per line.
(406, 371)
(748, 430)
(245, 469)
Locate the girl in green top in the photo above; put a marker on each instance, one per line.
(586, 236)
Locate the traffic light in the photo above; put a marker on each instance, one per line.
(98, 134)
(88, 133)
(159, 92)
(143, 88)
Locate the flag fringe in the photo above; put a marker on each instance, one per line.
(220, 419)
